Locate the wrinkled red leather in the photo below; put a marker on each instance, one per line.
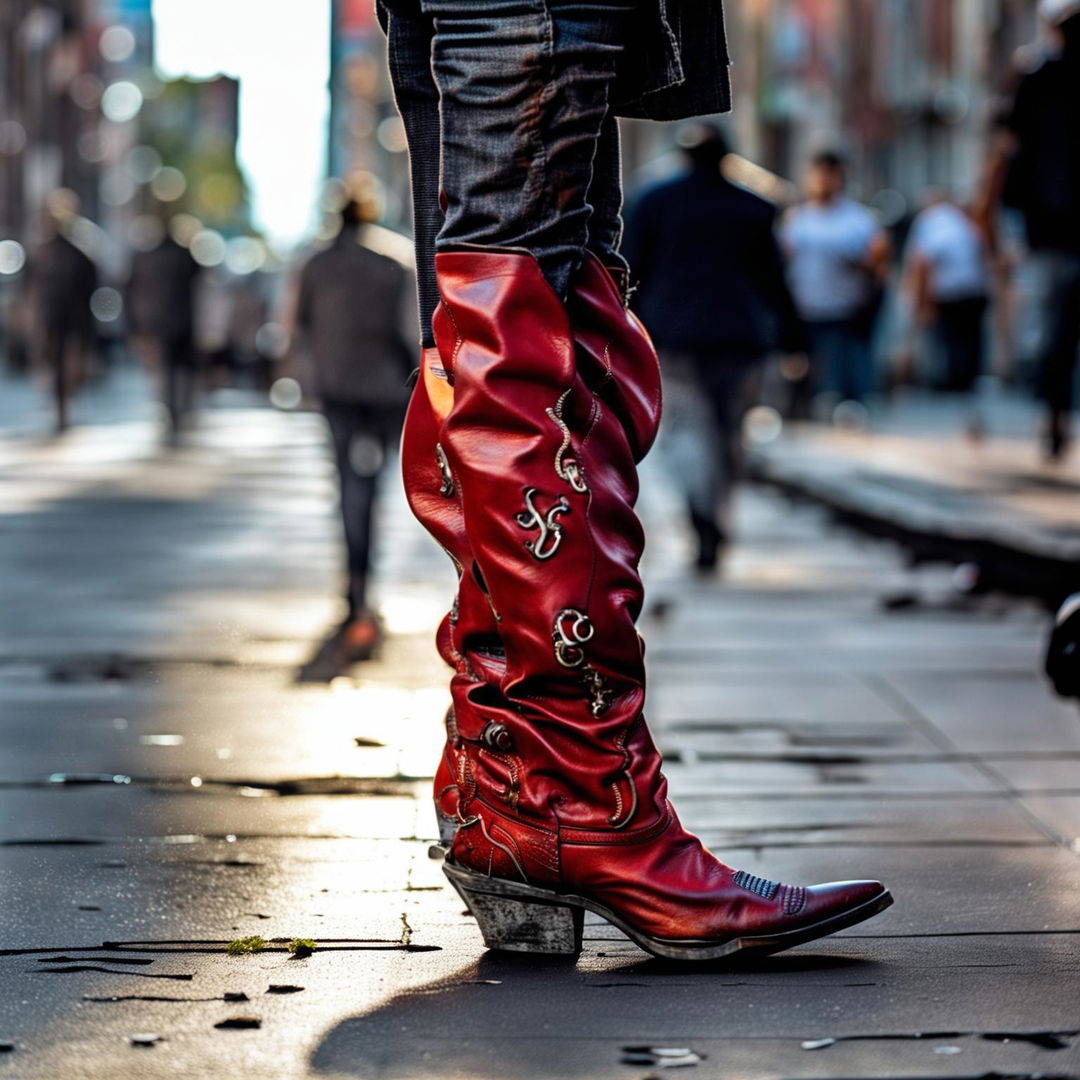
(622, 367)
(577, 802)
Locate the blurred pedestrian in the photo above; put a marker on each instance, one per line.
(356, 314)
(711, 289)
(62, 282)
(838, 257)
(949, 278)
(1035, 168)
(161, 311)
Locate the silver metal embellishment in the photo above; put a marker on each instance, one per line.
(566, 468)
(599, 694)
(446, 488)
(551, 532)
(572, 630)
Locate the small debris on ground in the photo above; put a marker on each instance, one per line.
(6, 1047)
(239, 1023)
(133, 961)
(74, 968)
(661, 1057)
(145, 1039)
(245, 945)
(406, 930)
(283, 988)
(234, 995)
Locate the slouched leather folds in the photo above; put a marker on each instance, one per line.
(537, 432)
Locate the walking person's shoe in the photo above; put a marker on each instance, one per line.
(359, 638)
(560, 797)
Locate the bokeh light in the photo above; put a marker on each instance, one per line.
(12, 257)
(12, 137)
(168, 184)
(285, 394)
(106, 304)
(117, 44)
(762, 424)
(142, 164)
(244, 255)
(208, 248)
(121, 102)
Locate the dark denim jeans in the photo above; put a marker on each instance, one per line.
(506, 106)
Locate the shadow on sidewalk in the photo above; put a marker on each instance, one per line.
(515, 1016)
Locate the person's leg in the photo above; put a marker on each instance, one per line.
(562, 794)
(1058, 360)
(359, 453)
(524, 96)
(855, 346)
(605, 199)
(409, 33)
(54, 345)
(691, 447)
(727, 383)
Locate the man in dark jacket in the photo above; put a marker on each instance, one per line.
(713, 294)
(161, 310)
(1036, 169)
(355, 312)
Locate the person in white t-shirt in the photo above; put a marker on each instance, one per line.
(838, 258)
(949, 277)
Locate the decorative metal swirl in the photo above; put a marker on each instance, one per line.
(550, 531)
(573, 629)
(566, 468)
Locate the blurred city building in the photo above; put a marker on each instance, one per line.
(905, 87)
(50, 88)
(366, 136)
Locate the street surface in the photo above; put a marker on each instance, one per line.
(167, 786)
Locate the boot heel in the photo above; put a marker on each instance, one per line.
(519, 918)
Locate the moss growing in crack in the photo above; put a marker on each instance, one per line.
(302, 946)
(245, 945)
(406, 930)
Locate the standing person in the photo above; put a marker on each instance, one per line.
(711, 289)
(161, 309)
(949, 277)
(838, 258)
(62, 281)
(1035, 167)
(356, 314)
(538, 395)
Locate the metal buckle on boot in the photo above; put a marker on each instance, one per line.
(597, 689)
(551, 532)
(446, 488)
(572, 630)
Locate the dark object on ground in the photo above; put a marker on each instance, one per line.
(1063, 655)
(239, 1023)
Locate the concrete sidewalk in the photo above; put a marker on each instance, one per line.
(154, 610)
(916, 479)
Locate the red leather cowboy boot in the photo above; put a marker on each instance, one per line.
(563, 803)
(621, 366)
